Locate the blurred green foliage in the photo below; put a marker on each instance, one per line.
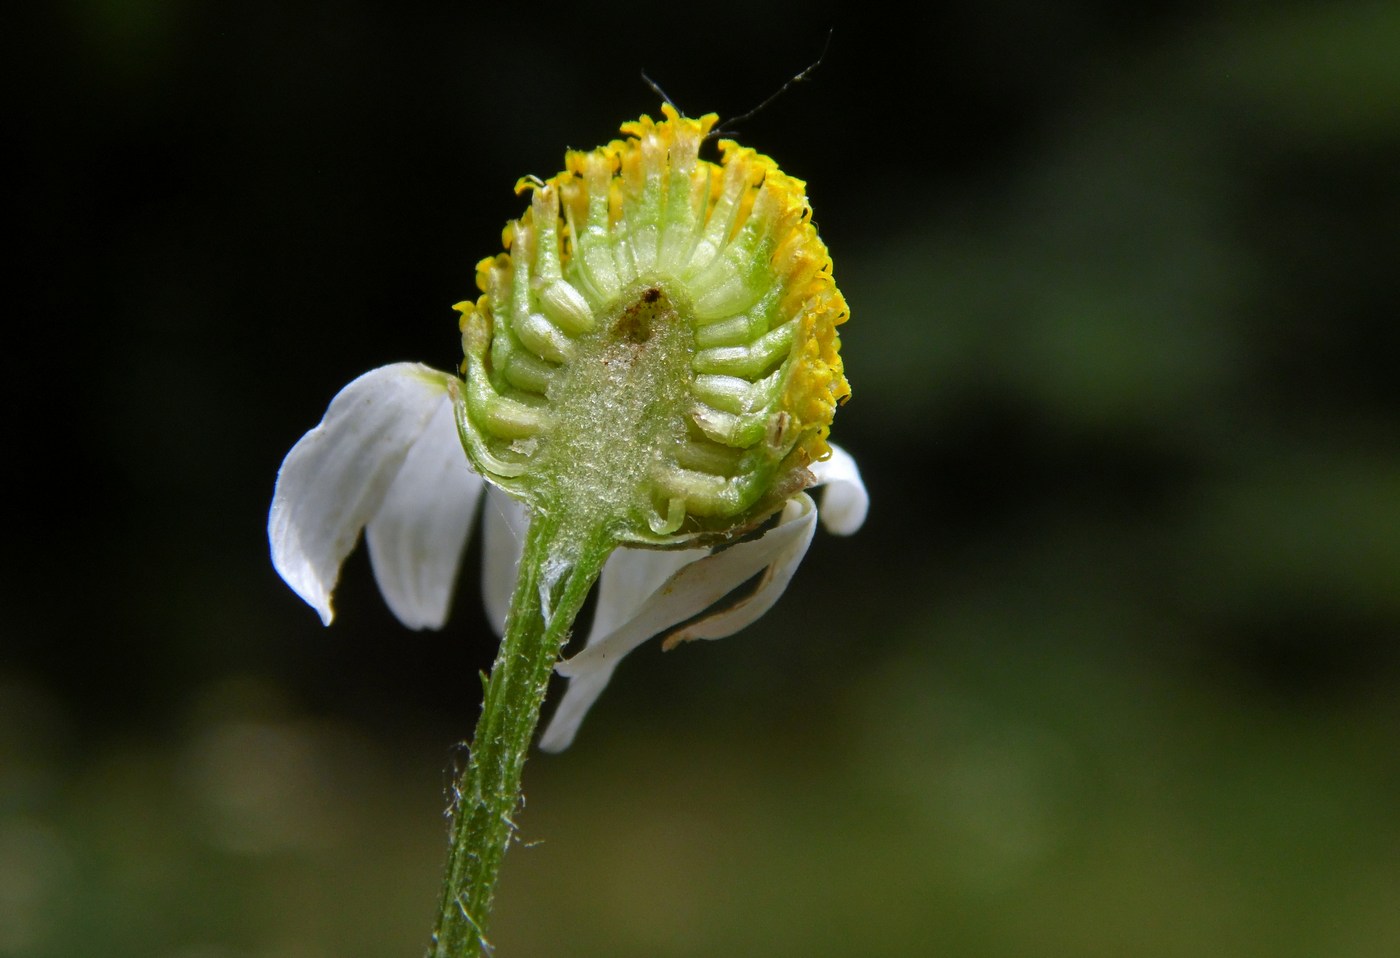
(1112, 669)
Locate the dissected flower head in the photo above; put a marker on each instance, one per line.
(654, 360)
(659, 324)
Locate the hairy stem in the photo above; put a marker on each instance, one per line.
(558, 567)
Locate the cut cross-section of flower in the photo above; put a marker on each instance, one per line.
(650, 377)
(658, 342)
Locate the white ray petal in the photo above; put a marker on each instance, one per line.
(416, 538)
(845, 501)
(685, 593)
(505, 520)
(568, 715)
(336, 476)
(629, 578)
(771, 586)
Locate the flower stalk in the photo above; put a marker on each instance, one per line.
(557, 569)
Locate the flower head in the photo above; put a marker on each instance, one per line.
(654, 358)
(661, 324)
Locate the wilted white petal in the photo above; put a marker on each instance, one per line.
(686, 593)
(727, 621)
(845, 501)
(568, 715)
(504, 524)
(336, 476)
(628, 580)
(417, 536)
(697, 586)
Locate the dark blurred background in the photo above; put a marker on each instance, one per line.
(1112, 669)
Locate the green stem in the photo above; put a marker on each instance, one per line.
(557, 569)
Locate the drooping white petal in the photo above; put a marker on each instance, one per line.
(336, 476)
(845, 501)
(628, 580)
(698, 585)
(568, 715)
(843, 509)
(687, 592)
(724, 622)
(417, 537)
(505, 521)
